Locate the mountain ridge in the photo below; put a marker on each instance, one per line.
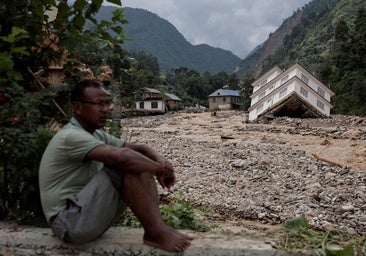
(151, 34)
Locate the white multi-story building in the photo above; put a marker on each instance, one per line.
(293, 92)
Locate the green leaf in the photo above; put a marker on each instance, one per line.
(102, 24)
(297, 223)
(94, 7)
(6, 62)
(176, 221)
(79, 22)
(118, 15)
(22, 50)
(15, 35)
(117, 2)
(79, 4)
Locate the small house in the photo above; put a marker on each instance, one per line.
(294, 92)
(153, 101)
(172, 101)
(225, 99)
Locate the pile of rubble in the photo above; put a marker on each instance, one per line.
(266, 180)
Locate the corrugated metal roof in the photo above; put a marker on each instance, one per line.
(150, 90)
(172, 96)
(224, 92)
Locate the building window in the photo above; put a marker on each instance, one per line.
(283, 92)
(321, 92)
(304, 92)
(261, 95)
(224, 99)
(320, 104)
(284, 80)
(154, 104)
(263, 83)
(305, 79)
(259, 109)
(213, 99)
(141, 104)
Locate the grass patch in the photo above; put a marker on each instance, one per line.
(297, 236)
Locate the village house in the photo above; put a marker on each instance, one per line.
(225, 99)
(172, 101)
(154, 101)
(293, 92)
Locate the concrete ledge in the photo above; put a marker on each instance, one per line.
(29, 241)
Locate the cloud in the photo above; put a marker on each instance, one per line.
(235, 25)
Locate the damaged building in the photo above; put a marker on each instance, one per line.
(294, 92)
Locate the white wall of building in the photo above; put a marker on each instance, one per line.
(267, 78)
(148, 105)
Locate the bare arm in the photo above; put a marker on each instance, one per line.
(125, 159)
(145, 150)
(136, 158)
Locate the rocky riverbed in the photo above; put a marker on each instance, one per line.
(263, 173)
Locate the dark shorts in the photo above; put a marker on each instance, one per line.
(91, 212)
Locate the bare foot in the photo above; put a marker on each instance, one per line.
(169, 240)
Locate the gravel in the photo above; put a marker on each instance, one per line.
(268, 171)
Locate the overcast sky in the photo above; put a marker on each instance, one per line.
(234, 25)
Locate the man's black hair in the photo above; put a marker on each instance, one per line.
(77, 91)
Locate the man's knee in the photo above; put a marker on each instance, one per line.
(129, 178)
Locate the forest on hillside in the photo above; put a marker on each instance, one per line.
(345, 69)
(331, 43)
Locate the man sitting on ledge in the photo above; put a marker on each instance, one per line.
(88, 177)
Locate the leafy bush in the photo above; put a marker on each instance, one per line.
(19, 161)
(22, 137)
(181, 214)
(178, 213)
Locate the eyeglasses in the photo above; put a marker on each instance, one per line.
(100, 104)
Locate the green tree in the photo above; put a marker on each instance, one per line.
(346, 69)
(146, 61)
(246, 89)
(341, 31)
(120, 63)
(218, 81)
(31, 41)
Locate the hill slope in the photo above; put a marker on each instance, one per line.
(151, 34)
(329, 41)
(305, 37)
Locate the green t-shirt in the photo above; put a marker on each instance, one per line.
(64, 171)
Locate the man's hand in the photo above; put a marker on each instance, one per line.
(166, 177)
